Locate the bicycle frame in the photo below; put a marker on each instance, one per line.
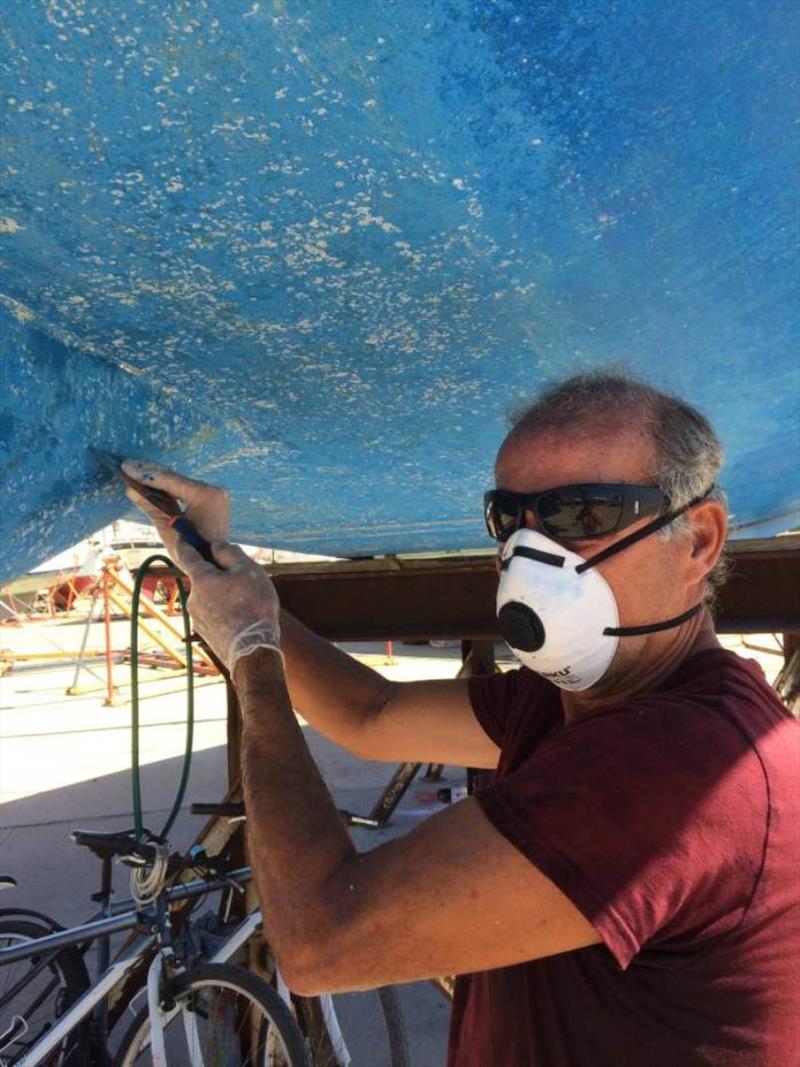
(116, 972)
(85, 1004)
(127, 919)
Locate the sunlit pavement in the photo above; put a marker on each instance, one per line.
(65, 762)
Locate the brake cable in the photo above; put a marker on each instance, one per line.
(142, 573)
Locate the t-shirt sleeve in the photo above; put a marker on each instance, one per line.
(651, 820)
(492, 697)
(497, 699)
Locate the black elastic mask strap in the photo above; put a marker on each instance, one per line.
(532, 553)
(654, 627)
(638, 535)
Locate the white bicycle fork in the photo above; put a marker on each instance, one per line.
(158, 1050)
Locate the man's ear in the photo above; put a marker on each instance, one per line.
(709, 530)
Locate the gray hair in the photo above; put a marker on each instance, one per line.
(688, 453)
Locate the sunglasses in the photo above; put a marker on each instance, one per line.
(575, 512)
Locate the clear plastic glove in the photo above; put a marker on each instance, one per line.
(234, 606)
(206, 505)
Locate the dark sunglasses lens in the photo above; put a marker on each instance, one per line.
(502, 515)
(580, 511)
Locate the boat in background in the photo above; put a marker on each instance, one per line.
(56, 584)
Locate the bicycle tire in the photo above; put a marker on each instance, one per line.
(43, 997)
(29, 915)
(195, 1000)
(371, 1023)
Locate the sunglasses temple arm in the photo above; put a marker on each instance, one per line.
(637, 535)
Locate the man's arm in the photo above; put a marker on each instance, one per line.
(452, 896)
(351, 704)
(430, 721)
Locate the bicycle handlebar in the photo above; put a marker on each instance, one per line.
(233, 809)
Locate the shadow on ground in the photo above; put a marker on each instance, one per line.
(57, 877)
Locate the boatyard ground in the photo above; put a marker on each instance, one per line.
(65, 763)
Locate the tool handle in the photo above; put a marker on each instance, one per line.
(188, 531)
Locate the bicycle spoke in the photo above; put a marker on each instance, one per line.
(36, 992)
(220, 1016)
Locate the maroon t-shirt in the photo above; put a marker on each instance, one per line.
(671, 822)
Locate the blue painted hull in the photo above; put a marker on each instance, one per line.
(315, 251)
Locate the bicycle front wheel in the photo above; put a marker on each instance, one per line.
(360, 1029)
(220, 1014)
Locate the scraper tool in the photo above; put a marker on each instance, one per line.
(166, 504)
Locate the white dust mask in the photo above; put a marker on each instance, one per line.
(558, 613)
(552, 617)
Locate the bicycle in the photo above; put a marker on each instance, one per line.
(191, 1005)
(365, 1027)
(52, 1013)
(67, 1019)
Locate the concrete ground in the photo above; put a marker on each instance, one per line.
(65, 763)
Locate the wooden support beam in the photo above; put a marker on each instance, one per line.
(453, 597)
(788, 681)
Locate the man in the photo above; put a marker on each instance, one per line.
(624, 892)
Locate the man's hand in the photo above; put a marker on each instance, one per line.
(207, 506)
(233, 605)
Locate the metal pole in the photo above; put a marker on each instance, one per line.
(73, 689)
(120, 605)
(108, 702)
(151, 608)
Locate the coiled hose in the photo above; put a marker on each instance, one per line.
(138, 827)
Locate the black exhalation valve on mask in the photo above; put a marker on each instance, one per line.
(520, 626)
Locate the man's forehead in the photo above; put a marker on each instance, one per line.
(533, 460)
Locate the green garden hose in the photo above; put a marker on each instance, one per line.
(187, 756)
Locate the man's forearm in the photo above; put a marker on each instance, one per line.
(334, 692)
(296, 837)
